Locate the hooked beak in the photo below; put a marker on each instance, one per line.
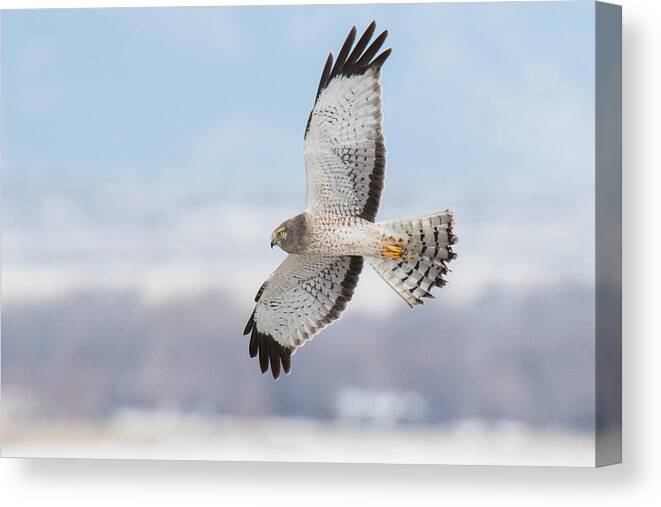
(273, 240)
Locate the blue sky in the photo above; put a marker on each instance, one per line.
(155, 137)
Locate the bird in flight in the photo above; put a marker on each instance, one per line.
(345, 160)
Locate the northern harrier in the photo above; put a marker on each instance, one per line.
(345, 161)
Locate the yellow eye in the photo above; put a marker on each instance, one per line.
(282, 233)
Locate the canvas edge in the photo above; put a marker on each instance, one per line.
(608, 234)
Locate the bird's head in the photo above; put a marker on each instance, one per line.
(290, 235)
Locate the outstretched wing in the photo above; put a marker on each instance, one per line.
(302, 296)
(344, 148)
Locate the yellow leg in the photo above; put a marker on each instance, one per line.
(393, 251)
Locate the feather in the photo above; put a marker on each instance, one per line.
(250, 325)
(263, 353)
(275, 359)
(362, 44)
(344, 52)
(325, 75)
(372, 50)
(285, 357)
(254, 343)
(380, 60)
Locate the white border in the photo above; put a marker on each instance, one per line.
(636, 482)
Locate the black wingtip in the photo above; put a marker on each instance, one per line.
(254, 343)
(361, 44)
(371, 51)
(275, 360)
(271, 353)
(250, 324)
(371, 28)
(381, 59)
(344, 52)
(356, 61)
(285, 358)
(263, 354)
(325, 75)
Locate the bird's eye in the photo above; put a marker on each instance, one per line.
(282, 234)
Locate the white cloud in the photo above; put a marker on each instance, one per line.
(224, 245)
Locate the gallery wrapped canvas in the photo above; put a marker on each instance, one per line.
(357, 233)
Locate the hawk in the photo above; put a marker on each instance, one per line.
(345, 159)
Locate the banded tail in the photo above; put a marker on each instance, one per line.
(415, 255)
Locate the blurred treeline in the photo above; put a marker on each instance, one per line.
(525, 357)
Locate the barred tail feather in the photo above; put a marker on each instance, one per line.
(423, 264)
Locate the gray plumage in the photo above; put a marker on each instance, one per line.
(291, 235)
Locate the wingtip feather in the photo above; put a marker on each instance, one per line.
(250, 325)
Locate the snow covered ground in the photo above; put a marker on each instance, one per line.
(165, 435)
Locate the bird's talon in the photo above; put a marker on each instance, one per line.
(393, 251)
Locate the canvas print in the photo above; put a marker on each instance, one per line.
(232, 233)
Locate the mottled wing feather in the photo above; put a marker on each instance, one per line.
(303, 295)
(344, 148)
